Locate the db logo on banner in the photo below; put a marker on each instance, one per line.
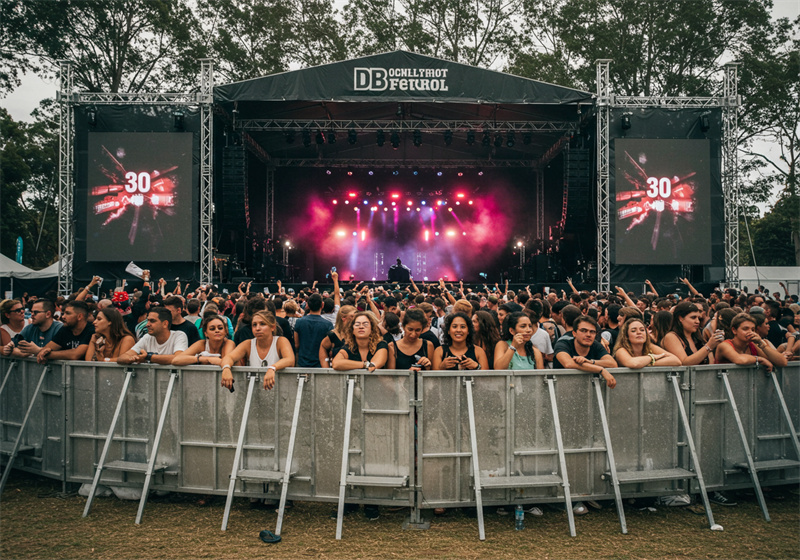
(370, 79)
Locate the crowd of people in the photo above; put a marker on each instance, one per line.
(432, 326)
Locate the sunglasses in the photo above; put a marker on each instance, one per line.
(17, 310)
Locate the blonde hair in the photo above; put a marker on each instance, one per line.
(463, 306)
(344, 311)
(269, 319)
(374, 335)
(624, 341)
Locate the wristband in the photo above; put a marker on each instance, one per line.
(226, 366)
(273, 368)
(652, 359)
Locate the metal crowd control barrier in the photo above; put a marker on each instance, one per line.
(514, 432)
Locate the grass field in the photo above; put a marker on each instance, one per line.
(36, 521)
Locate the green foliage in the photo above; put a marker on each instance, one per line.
(28, 167)
(773, 236)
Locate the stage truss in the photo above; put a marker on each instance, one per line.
(729, 102)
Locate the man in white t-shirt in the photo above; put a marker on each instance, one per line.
(160, 344)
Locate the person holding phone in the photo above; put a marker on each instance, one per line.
(458, 350)
(685, 339)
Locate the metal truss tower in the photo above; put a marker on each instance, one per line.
(66, 162)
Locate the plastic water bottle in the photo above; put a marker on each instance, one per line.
(519, 518)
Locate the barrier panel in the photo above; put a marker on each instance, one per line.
(714, 424)
(399, 420)
(44, 431)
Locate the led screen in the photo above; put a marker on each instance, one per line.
(662, 191)
(139, 197)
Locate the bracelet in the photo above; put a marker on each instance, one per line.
(226, 366)
(708, 348)
(652, 359)
(273, 368)
(198, 358)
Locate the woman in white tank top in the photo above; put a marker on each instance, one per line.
(268, 349)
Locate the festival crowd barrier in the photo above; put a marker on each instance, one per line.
(428, 440)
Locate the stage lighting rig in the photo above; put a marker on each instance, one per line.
(470, 137)
(417, 138)
(527, 138)
(395, 140)
(498, 141)
(380, 138)
(487, 139)
(510, 139)
(290, 137)
(320, 138)
(177, 120)
(448, 137)
(306, 138)
(331, 136)
(705, 123)
(91, 117)
(625, 122)
(352, 136)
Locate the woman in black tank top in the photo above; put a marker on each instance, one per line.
(411, 349)
(458, 350)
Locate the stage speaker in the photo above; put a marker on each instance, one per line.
(578, 190)
(234, 205)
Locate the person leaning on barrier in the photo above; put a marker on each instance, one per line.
(34, 337)
(363, 347)
(111, 337)
(635, 350)
(72, 339)
(211, 350)
(685, 340)
(458, 350)
(334, 340)
(267, 349)
(762, 328)
(160, 344)
(12, 316)
(581, 351)
(412, 351)
(746, 347)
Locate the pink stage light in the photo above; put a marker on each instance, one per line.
(470, 202)
(395, 195)
(427, 235)
(340, 233)
(347, 202)
(449, 209)
(363, 235)
(394, 204)
(336, 201)
(458, 203)
(461, 195)
(409, 203)
(451, 233)
(352, 194)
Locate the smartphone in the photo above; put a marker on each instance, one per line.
(333, 269)
(224, 290)
(266, 290)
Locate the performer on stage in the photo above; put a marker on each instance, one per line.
(399, 272)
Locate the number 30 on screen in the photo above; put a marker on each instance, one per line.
(141, 182)
(655, 187)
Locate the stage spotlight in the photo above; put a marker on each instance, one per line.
(510, 139)
(625, 122)
(439, 173)
(519, 243)
(320, 139)
(449, 209)
(451, 233)
(436, 234)
(335, 201)
(415, 171)
(347, 202)
(487, 139)
(349, 172)
(527, 138)
(380, 203)
(366, 202)
(395, 195)
(460, 173)
(480, 172)
(418, 208)
(448, 137)
(498, 141)
(177, 120)
(352, 194)
(331, 137)
(417, 138)
(91, 117)
(370, 173)
(395, 140)
(306, 138)
(705, 123)
(423, 203)
(470, 202)
(461, 195)
(458, 203)
(290, 134)
(328, 172)
(396, 171)
(409, 203)
(380, 138)
(463, 233)
(399, 111)
(340, 233)
(352, 136)
(355, 234)
(470, 137)
(352, 277)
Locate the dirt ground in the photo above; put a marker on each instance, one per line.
(37, 521)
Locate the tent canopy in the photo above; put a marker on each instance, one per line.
(10, 268)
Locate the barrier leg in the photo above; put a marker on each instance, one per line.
(786, 414)
(612, 465)
(301, 380)
(750, 464)
(345, 457)
(476, 471)
(561, 457)
(693, 452)
(239, 444)
(7, 376)
(156, 442)
(17, 442)
(107, 445)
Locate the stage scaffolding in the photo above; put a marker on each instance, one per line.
(69, 100)
(729, 102)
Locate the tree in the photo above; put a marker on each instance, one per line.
(772, 244)
(28, 169)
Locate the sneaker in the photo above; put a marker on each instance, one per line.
(678, 500)
(536, 511)
(502, 511)
(721, 499)
(371, 512)
(594, 505)
(579, 508)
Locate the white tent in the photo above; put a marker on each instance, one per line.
(10, 268)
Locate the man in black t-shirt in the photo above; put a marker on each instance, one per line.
(581, 351)
(175, 306)
(72, 340)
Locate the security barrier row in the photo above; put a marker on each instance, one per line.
(433, 439)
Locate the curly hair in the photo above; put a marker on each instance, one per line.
(624, 341)
(448, 320)
(488, 335)
(374, 335)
